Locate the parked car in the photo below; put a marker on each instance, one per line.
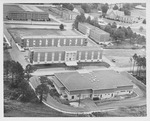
(113, 60)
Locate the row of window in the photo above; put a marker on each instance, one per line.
(58, 44)
(68, 56)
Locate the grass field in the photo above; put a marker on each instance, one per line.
(137, 13)
(138, 111)
(18, 109)
(122, 56)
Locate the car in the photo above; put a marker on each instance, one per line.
(113, 60)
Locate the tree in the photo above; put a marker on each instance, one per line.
(86, 8)
(119, 35)
(28, 70)
(42, 90)
(144, 21)
(7, 68)
(104, 8)
(79, 18)
(61, 27)
(68, 6)
(114, 25)
(88, 20)
(15, 71)
(108, 28)
(115, 7)
(127, 6)
(127, 12)
(141, 29)
(134, 58)
(129, 32)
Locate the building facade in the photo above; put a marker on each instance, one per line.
(98, 35)
(97, 85)
(68, 55)
(119, 15)
(64, 13)
(50, 41)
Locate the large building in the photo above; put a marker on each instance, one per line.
(23, 12)
(49, 41)
(64, 13)
(102, 84)
(65, 54)
(98, 35)
(47, 38)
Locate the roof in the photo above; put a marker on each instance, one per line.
(65, 48)
(94, 28)
(116, 12)
(51, 36)
(96, 80)
(45, 33)
(87, 25)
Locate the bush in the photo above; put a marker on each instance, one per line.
(61, 27)
(144, 21)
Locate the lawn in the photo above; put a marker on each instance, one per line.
(122, 56)
(135, 111)
(137, 13)
(19, 109)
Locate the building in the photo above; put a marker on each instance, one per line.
(104, 84)
(64, 13)
(65, 54)
(98, 35)
(22, 12)
(49, 41)
(119, 16)
(47, 38)
(114, 14)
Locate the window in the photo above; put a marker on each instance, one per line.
(72, 97)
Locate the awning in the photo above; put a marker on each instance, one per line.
(71, 63)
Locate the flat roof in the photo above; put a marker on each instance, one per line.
(94, 28)
(65, 48)
(96, 80)
(44, 33)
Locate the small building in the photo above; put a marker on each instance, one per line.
(65, 54)
(104, 84)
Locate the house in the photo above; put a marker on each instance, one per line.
(120, 16)
(103, 84)
(114, 14)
